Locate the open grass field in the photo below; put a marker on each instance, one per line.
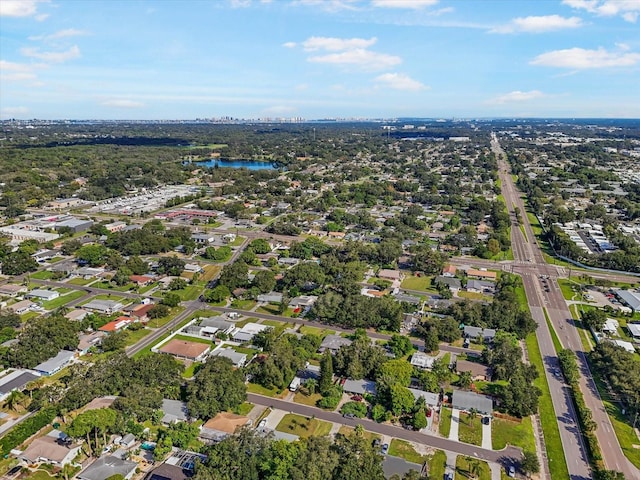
(321, 332)
(42, 275)
(134, 336)
(304, 399)
(470, 429)
(63, 300)
(243, 304)
(303, 427)
(555, 452)
(445, 421)
(260, 390)
(274, 310)
(210, 272)
(422, 283)
(190, 292)
(506, 432)
(403, 449)
(465, 469)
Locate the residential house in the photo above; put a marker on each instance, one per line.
(55, 364)
(77, 314)
(12, 290)
(89, 272)
(44, 295)
(55, 448)
(193, 351)
(628, 346)
(108, 307)
(303, 301)
(392, 275)
(404, 298)
(484, 334)
(481, 286)
(203, 238)
(248, 331)
(449, 271)
(219, 323)
(166, 471)
(193, 268)
(288, 261)
(477, 370)
(430, 399)
(238, 359)
(467, 401)
(89, 340)
(634, 330)
(107, 467)
(44, 255)
(174, 411)
(128, 441)
(116, 325)
(422, 360)
(359, 387)
(141, 280)
(140, 313)
(610, 326)
(272, 297)
(303, 376)
(21, 307)
(16, 380)
(333, 343)
(223, 425)
(454, 284)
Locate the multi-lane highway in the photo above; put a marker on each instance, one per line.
(530, 263)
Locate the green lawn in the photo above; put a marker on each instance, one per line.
(191, 370)
(445, 421)
(555, 452)
(81, 281)
(243, 304)
(506, 432)
(626, 436)
(470, 429)
(422, 283)
(134, 336)
(42, 275)
(464, 468)
(302, 426)
(304, 399)
(274, 310)
(190, 292)
(554, 336)
(403, 449)
(63, 300)
(243, 408)
(260, 390)
(321, 332)
(188, 338)
(437, 465)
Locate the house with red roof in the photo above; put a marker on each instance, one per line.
(116, 325)
(141, 280)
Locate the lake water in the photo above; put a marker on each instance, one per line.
(250, 164)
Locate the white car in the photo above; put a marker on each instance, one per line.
(512, 471)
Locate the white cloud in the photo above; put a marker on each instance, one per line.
(359, 57)
(51, 57)
(69, 32)
(15, 72)
(333, 44)
(328, 5)
(414, 4)
(19, 8)
(518, 96)
(240, 3)
(8, 112)
(581, 58)
(400, 81)
(122, 103)
(538, 24)
(629, 10)
(290, 44)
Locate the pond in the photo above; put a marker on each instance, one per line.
(249, 164)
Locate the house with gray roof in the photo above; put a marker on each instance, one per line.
(422, 360)
(219, 323)
(452, 282)
(271, 297)
(107, 466)
(430, 398)
(15, 380)
(481, 286)
(360, 387)
(55, 364)
(634, 330)
(630, 299)
(107, 307)
(238, 359)
(485, 334)
(467, 401)
(333, 343)
(174, 411)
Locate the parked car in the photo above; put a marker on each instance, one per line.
(376, 442)
(486, 420)
(512, 471)
(349, 415)
(385, 448)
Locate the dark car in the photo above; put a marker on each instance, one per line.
(376, 442)
(486, 420)
(349, 415)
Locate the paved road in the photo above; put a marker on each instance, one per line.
(507, 456)
(527, 250)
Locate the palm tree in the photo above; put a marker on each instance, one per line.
(14, 398)
(473, 413)
(474, 467)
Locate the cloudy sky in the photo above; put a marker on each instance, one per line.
(165, 59)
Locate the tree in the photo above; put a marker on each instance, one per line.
(17, 263)
(234, 275)
(316, 460)
(217, 386)
(358, 459)
(115, 341)
(158, 311)
(172, 265)
(326, 373)
(420, 420)
(137, 265)
(399, 370)
(265, 281)
(218, 294)
(171, 299)
(594, 319)
(177, 284)
(530, 463)
(94, 255)
(15, 398)
(400, 345)
(465, 380)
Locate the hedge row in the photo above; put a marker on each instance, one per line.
(25, 429)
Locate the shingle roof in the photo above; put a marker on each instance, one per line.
(467, 400)
(105, 467)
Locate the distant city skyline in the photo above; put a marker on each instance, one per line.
(317, 59)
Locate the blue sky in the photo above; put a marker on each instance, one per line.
(167, 59)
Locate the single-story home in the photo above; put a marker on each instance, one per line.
(23, 306)
(107, 307)
(430, 399)
(45, 295)
(611, 326)
(389, 274)
(449, 271)
(422, 360)
(16, 380)
(303, 376)
(194, 351)
(302, 301)
(404, 298)
(628, 346)
(12, 290)
(481, 286)
(219, 323)
(108, 466)
(88, 272)
(634, 330)
(238, 359)
(333, 343)
(174, 411)
(140, 313)
(248, 331)
(55, 364)
(89, 340)
(360, 387)
(77, 314)
(478, 371)
(166, 471)
(272, 297)
(467, 401)
(116, 325)
(193, 267)
(454, 284)
(141, 280)
(486, 334)
(55, 447)
(222, 425)
(484, 274)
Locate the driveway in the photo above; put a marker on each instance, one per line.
(486, 435)
(455, 423)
